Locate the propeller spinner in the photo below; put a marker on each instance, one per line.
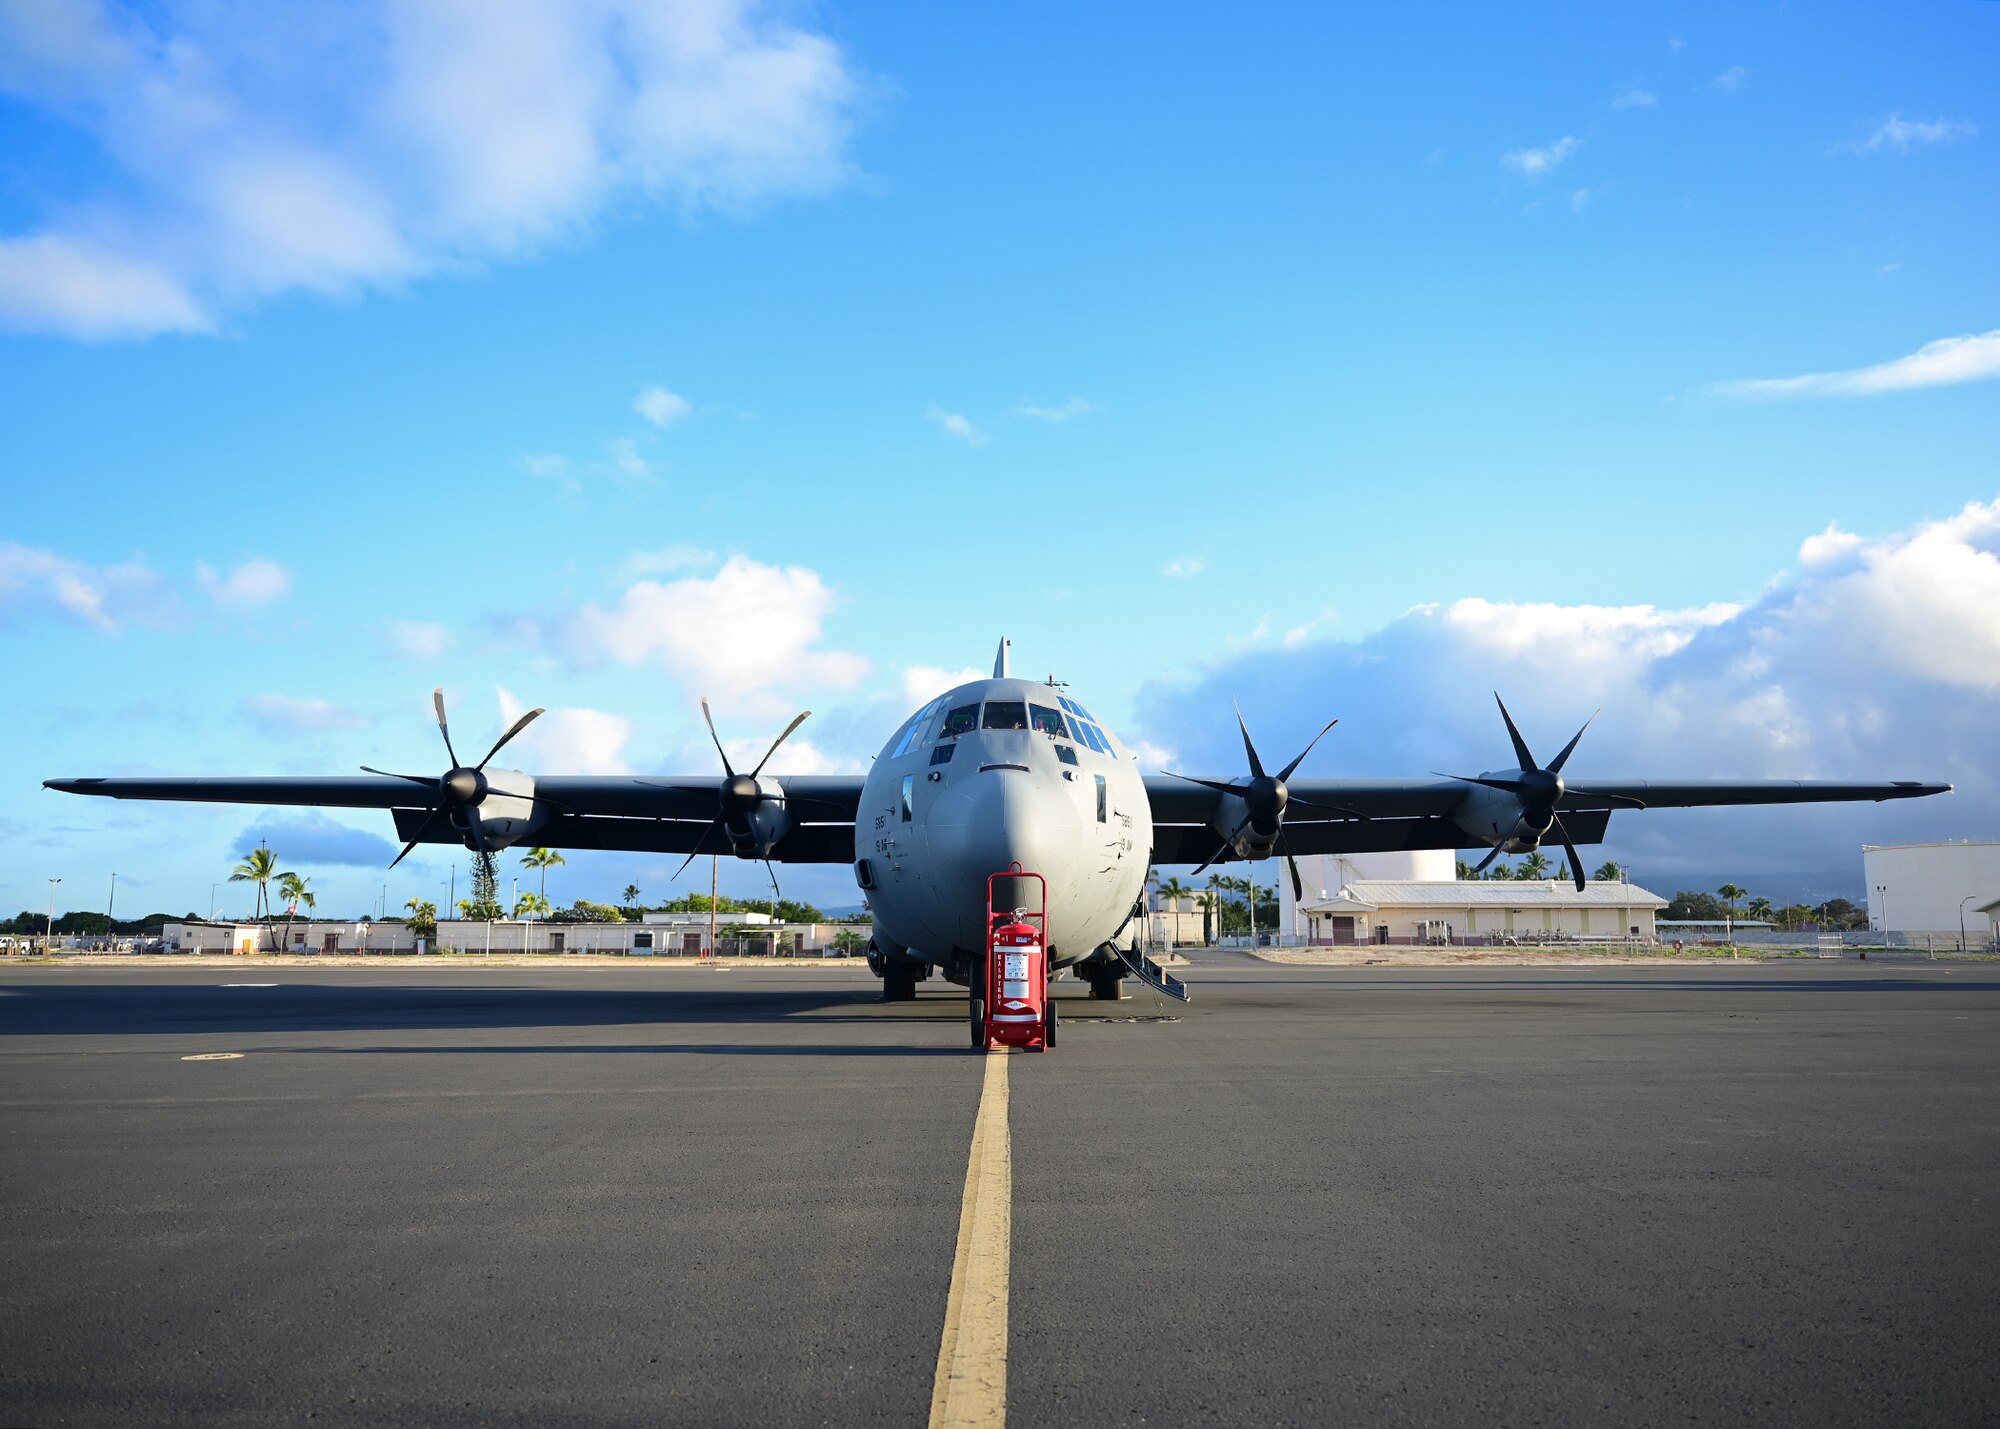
(460, 789)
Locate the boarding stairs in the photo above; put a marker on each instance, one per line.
(1152, 974)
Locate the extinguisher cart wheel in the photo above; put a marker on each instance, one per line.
(978, 1022)
(1049, 1025)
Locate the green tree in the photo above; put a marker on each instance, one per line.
(543, 859)
(584, 911)
(485, 900)
(292, 888)
(631, 895)
(1534, 866)
(1759, 909)
(259, 866)
(530, 905)
(847, 942)
(1172, 890)
(1210, 900)
(1462, 871)
(1609, 872)
(1729, 893)
(423, 918)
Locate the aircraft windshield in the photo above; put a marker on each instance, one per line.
(1046, 720)
(1006, 714)
(962, 720)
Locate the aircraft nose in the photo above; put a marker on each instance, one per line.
(1000, 817)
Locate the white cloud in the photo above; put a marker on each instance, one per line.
(1876, 658)
(1730, 80)
(1184, 566)
(570, 740)
(1943, 363)
(747, 629)
(955, 425)
(107, 597)
(667, 560)
(1897, 135)
(1635, 97)
(1539, 163)
(290, 714)
(1074, 407)
(419, 639)
(1579, 201)
(254, 582)
(258, 152)
(924, 683)
(625, 461)
(661, 407)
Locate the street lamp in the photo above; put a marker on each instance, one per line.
(1883, 890)
(49, 937)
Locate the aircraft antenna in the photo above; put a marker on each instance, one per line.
(1000, 659)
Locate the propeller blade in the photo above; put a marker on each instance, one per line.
(413, 778)
(437, 703)
(1556, 764)
(772, 874)
(717, 738)
(1575, 863)
(1298, 803)
(1298, 884)
(700, 846)
(1520, 744)
(1212, 857)
(520, 724)
(1487, 861)
(1238, 790)
(1624, 799)
(803, 716)
(1512, 786)
(422, 829)
(1286, 772)
(1256, 764)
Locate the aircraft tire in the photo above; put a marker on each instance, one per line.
(1104, 986)
(899, 982)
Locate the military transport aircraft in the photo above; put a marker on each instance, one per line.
(993, 776)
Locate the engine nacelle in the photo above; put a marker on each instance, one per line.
(506, 814)
(1496, 818)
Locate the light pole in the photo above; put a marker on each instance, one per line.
(49, 937)
(1883, 890)
(211, 901)
(1961, 919)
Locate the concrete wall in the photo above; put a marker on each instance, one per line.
(1917, 888)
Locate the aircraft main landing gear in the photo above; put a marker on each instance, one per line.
(899, 980)
(1104, 982)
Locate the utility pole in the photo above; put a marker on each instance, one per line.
(112, 902)
(49, 937)
(713, 860)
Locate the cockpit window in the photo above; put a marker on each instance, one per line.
(1065, 754)
(962, 720)
(1046, 720)
(1092, 738)
(914, 732)
(1006, 714)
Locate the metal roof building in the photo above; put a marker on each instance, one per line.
(1480, 910)
(1930, 888)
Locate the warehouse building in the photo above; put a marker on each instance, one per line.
(1930, 890)
(1480, 911)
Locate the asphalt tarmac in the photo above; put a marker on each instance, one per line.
(1746, 1194)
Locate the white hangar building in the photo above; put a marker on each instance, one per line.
(1918, 889)
(1415, 898)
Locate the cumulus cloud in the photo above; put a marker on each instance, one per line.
(1943, 363)
(661, 407)
(1635, 97)
(35, 581)
(669, 559)
(419, 639)
(1184, 566)
(1874, 658)
(565, 740)
(254, 582)
(1074, 407)
(251, 152)
(1897, 135)
(1730, 80)
(1539, 163)
(748, 628)
(955, 425)
(924, 683)
(292, 714)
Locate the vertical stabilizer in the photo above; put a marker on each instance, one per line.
(1000, 659)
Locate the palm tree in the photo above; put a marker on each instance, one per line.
(423, 917)
(631, 895)
(1462, 871)
(1211, 909)
(543, 859)
(1729, 893)
(1610, 872)
(259, 866)
(530, 905)
(1760, 909)
(293, 890)
(1534, 866)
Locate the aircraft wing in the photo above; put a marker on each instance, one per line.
(654, 813)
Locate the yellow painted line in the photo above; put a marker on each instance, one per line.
(213, 1057)
(971, 1383)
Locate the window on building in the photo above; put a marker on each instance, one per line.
(962, 720)
(1006, 714)
(1046, 720)
(1103, 801)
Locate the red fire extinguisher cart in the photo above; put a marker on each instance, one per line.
(1011, 1006)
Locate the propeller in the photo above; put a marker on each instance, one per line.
(459, 787)
(1540, 790)
(1265, 798)
(738, 796)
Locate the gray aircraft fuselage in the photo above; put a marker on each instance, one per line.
(946, 805)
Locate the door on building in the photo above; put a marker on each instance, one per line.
(691, 945)
(1341, 929)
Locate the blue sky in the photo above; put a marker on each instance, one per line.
(603, 357)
